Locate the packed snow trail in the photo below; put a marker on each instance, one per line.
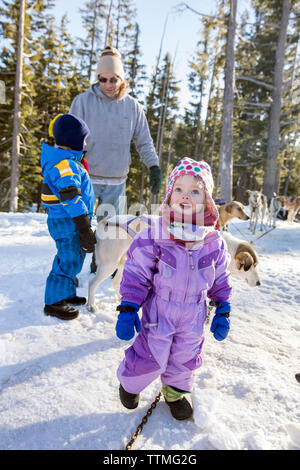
(58, 380)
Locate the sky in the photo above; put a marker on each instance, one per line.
(183, 30)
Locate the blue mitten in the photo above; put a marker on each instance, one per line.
(128, 320)
(220, 325)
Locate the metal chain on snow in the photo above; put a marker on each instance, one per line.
(144, 421)
(265, 233)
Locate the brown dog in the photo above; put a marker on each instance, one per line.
(292, 205)
(233, 209)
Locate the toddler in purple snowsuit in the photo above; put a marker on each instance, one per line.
(171, 269)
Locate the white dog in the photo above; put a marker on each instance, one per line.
(258, 204)
(274, 208)
(244, 259)
(115, 236)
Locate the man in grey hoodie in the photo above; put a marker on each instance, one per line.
(114, 119)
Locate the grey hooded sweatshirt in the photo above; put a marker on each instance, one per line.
(113, 124)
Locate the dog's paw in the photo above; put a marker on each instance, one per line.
(92, 308)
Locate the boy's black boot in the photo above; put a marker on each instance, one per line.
(61, 310)
(76, 300)
(129, 400)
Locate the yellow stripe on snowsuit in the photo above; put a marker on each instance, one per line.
(64, 168)
(75, 202)
(46, 197)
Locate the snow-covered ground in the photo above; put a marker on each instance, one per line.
(58, 380)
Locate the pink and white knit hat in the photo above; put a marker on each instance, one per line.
(201, 170)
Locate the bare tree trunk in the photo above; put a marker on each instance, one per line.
(199, 142)
(14, 178)
(92, 51)
(162, 117)
(161, 126)
(118, 26)
(226, 139)
(270, 174)
(199, 111)
(108, 24)
(159, 53)
(154, 198)
(212, 150)
(169, 155)
(134, 65)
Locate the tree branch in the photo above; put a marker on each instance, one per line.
(249, 163)
(183, 6)
(254, 80)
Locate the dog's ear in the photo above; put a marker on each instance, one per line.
(228, 207)
(244, 261)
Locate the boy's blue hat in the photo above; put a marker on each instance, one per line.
(69, 130)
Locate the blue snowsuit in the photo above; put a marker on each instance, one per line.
(67, 192)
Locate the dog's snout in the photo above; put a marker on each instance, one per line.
(258, 283)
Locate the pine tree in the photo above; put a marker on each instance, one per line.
(93, 14)
(136, 74)
(50, 81)
(15, 187)
(122, 29)
(255, 59)
(52, 64)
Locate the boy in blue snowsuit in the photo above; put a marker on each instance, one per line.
(67, 195)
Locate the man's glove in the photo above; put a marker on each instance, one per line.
(86, 235)
(155, 179)
(128, 320)
(220, 325)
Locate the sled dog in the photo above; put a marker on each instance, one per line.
(292, 205)
(258, 204)
(233, 209)
(274, 208)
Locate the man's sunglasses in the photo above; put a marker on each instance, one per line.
(111, 80)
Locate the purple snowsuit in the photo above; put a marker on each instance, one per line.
(171, 283)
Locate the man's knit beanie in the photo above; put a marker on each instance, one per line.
(69, 131)
(110, 62)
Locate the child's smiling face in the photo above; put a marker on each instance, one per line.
(188, 195)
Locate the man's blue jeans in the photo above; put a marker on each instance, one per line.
(111, 199)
